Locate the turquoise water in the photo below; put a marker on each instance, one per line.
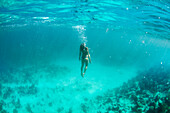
(129, 44)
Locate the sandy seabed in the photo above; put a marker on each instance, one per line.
(59, 88)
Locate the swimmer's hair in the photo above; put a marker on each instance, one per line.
(86, 48)
(83, 44)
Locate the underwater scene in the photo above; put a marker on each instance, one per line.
(84, 56)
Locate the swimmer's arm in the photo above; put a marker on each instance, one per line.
(79, 54)
(89, 58)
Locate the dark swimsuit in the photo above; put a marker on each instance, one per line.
(85, 55)
(83, 52)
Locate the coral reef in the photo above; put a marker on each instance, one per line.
(8, 92)
(15, 111)
(148, 92)
(2, 104)
(27, 90)
(28, 108)
(21, 83)
(84, 107)
(17, 103)
(1, 90)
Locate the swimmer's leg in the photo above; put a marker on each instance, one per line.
(86, 64)
(82, 65)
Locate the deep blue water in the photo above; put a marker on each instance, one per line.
(41, 38)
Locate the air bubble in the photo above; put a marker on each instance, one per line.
(107, 30)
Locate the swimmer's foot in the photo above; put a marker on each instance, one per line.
(82, 74)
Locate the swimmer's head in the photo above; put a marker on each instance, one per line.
(83, 44)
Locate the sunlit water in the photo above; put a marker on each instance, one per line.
(39, 47)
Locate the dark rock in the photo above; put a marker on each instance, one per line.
(134, 108)
(0, 93)
(139, 110)
(99, 99)
(163, 108)
(115, 108)
(28, 108)
(18, 104)
(151, 109)
(85, 99)
(7, 93)
(50, 104)
(109, 100)
(84, 108)
(15, 111)
(70, 110)
(152, 103)
(27, 76)
(157, 97)
(167, 99)
(120, 111)
(4, 111)
(60, 109)
(1, 106)
(1, 87)
(47, 96)
(134, 98)
(32, 89)
(27, 90)
(109, 108)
